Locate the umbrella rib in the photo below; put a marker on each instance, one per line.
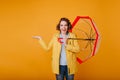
(89, 39)
(83, 31)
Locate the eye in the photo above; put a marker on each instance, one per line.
(61, 25)
(66, 25)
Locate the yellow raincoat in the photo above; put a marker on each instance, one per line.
(71, 48)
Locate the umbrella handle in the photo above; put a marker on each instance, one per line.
(59, 40)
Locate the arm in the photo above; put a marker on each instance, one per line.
(45, 47)
(42, 43)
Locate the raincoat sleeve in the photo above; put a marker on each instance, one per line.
(44, 46)
(73, 46)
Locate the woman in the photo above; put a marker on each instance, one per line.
(64, 51)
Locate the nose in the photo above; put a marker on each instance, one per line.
(63, 26)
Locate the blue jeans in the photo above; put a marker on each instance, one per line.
(64, 73)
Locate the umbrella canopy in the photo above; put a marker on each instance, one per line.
(87, 36)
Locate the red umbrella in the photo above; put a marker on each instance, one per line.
(87, 36)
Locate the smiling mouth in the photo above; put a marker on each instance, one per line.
(64, 30)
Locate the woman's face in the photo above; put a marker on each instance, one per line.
(63, 27)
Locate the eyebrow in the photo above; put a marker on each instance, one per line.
(65, 24)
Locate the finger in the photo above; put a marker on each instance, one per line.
(36, 37)
(33, 36)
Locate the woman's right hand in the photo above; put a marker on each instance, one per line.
(37, 37)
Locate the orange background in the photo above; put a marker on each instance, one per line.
(22, 58)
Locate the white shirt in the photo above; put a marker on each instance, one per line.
(63, 53)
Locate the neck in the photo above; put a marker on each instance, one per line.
(63, 33)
